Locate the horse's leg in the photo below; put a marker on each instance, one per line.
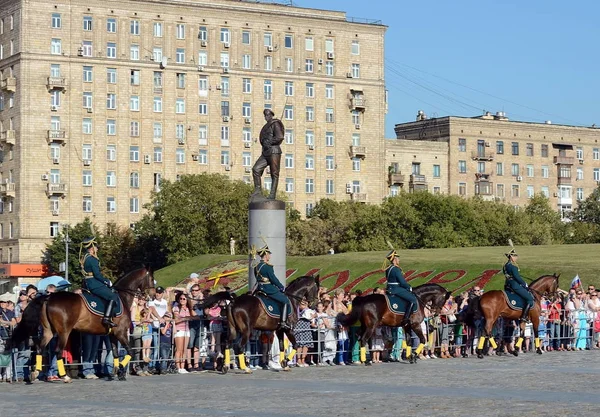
(62, 339)
(40, 345)
(120, 334)
(368, 325)
(520, 339)
(535, 322)
(362, 343)
(487, 331)
(416, 327)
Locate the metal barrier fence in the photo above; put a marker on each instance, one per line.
(322, 343)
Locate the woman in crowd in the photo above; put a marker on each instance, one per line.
(554, 321)
(181, 312)
(139, 326)
(330, 335)
(446, 317)
(216, 329)
(303, 332)
(594, 308)
(343, 344)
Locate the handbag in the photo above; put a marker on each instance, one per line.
(451, 318)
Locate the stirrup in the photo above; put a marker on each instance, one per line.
(107, 321)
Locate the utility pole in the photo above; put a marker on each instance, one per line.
(66, 227)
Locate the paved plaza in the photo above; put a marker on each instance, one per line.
(556, 383)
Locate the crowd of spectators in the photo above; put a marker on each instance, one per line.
(172, 333)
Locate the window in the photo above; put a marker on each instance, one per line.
(54, 99)
(545, 191)
(86, 152)
(310, 114)
(579, 194)
(134, 27)
(329, 91)
(111, 50)
(55, 150)
(86, 126)
(246, 85)
(355, 117)
(309, 65)
(329, 139)
(203, 108)
(87, 204)
(289, 65)
(55, 47)
(203, 86)
(329, 115)
(202, 135)
(530, 171)
(246, 110)
(500, 147)
(462, 188)
(111, 179)
(329, 67)
(545, 151)
(158, 154)
(157, 104)
(530, 191)
(288, 112)
(514, 190)
(545, 171)
(224, 108)
(564, 171)
(529, 149)
(134, 180)
(179, 156)
(309, 43)
(157, 54)
(158, 29)
(55, 70)
(356, 164)
(134, 77)
(134, 205)
(247, 135)
(355, 50)
(224, 135)
(309, 162)
(356, 139)
(111, 101)
(54, 176)
(246, 61)
(329, 164)
(329, 45)
(111, 25)
(500, 190)
(202, 33)
(596, 174)
(180, 56)
(462, 145)
(203, 157)
(462, 166)
(268, 63)
(56, 21)
(515, 148)
(87, 178)
(564, 192)
(87, 23)
(88, 74)
(225, 158)
(180, 31)
(134, 153)
(246, 159)
(225, 36)
(86, 48)
(289, 185)
(355, 70)
(289, 137)
(310, 90)
(54, 230)
(134, 128)
(309, 137)
(436, 171)
(329, 188)
(289, 160)
(134, 52)
(180, 106)
(514, 170)
(596, 154)
(157, 129)
(225, 59)
(579, 153)
(268, 39)
(288, 41)
(111, 75)
(246, 37)
(111, 205)
(111, 127)
(579, 173)
(179, 131)
(111, 152)
(134, 103)
(309, 185)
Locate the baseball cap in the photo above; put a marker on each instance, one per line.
(160, 289)
(194, 275)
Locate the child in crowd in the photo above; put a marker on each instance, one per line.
(166, 333)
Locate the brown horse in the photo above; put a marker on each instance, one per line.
(62, 312)
(493, 304)
(373, 311)
(246, 313)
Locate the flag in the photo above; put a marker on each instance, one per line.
(576, 283)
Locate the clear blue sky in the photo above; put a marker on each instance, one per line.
(535, 60)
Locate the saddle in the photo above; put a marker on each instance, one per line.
(514, 301)
(397, 305)
(272, 307)
(97, 305)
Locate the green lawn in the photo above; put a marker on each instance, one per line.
(568, 260)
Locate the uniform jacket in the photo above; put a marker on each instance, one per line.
(395, 278)
(271, 136)
(511, 272)
(93, 277)
(267, 281)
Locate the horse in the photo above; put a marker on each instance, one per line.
(373, 311)
(62, 312)
(246, 313)
(493, 304)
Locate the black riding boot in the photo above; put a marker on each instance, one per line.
(273, 193)
(525, 314)
(107, 319)
(408, 313)
(284, 315)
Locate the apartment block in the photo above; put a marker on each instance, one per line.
(101, 101)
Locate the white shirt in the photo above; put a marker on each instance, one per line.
(161, 308)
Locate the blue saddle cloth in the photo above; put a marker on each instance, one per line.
(513, 300)
(397, 305)
(272, 307)
(97, 305)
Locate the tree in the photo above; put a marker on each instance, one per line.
(588, 210)
(119, 254)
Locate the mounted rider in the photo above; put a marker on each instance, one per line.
(515, 282)
(397, 285)
(269, 284)
(94, 281)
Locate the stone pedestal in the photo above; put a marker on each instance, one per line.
(266, 223)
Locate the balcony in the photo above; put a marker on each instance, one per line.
(564, 181)
(482, 156)
(485, 189)
(56, 189)
(158, 90)
(56, 83)
(358, 152)
(358, 103)
(7, 189)
(417, 182)
(396, 179)
(9, 84)
(359, 197)
(564, 160)
(8, 137)
(56, 136)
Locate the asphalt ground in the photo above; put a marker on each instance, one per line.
(553, 384)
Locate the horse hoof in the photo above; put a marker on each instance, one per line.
(479, 356)
(368, 363)
(247, 371)
(515, 352)
(122, 377)
(539, 351)
(224, 370)
(286, 369)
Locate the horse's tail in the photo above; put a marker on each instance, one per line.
(30, 321)
(472, 313)
(355, 314)
(232, 325)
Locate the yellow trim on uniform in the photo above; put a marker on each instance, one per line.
(125, 360)
(242, 360)
(420, 348)
(519, 343)
(60, 364)
(291, 354)
(537, 342)
(363, 354)
(227, 357)
(408, 351)
(481, 343)
(38, 362)
(116, 363)
(286, 343)
(430, 339)
(493, 343)
(403, 344)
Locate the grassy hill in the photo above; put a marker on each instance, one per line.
(455, 269)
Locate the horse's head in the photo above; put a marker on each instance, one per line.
(434, 294)
(304, 288)
(546, 285)
(138, 280)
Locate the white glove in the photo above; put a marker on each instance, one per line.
(410, 289)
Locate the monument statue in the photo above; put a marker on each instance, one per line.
(271, 136)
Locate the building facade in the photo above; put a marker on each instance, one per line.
(101, 102)
(498, 159)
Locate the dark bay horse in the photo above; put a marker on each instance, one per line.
(62, 312)
(245, 313)
(493, 304)
(372, 311)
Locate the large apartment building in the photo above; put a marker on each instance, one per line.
(100, 101)
(496, 158)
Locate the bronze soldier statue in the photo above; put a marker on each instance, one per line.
(271, 136)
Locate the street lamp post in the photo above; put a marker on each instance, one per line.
(67, 241)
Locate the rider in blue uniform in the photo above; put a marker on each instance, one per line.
(95, 282)
(269, 284)
(516, 283)
(397, 285)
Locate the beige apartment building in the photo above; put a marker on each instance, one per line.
(101, 101)
(499, 159)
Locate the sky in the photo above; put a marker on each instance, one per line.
(535, 60)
